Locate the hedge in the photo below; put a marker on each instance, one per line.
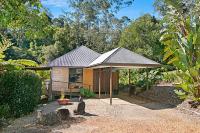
(20, 90)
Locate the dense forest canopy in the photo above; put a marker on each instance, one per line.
(35, 34)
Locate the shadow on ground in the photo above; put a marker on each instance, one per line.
(147, 103)
(89, 114)
(34, 128)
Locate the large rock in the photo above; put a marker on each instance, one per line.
(63, 113)
(52, 118)
(48, 119)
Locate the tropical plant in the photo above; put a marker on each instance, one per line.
(87, 93)
(171, 77)
(139, 77)
(62, 95)
(181, 38)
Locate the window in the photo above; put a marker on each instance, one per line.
(75, 77)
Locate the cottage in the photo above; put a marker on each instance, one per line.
(72, 71)
(83, 67)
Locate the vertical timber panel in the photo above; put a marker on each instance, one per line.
(88, 78)
(60, 78)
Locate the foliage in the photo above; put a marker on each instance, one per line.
(171, 77)
(181, 38)
(4, 44)
(20, 90)
(94, 23)
(183, 6)
(25, 17)
(63, 43)
(4, 111)
(87, 93)
(45, 76)
(142, 36)
(37, 36)
(25, 22)
(62, 95)
(12, 64)
(139, 77)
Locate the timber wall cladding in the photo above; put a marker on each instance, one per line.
(88, 78)
(60, 78)
(105, 80)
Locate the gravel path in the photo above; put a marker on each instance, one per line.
(130, 115)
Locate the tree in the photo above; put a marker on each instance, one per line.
(183, 6)
(63, 42)
(11, 64)
(142, 36)
(95, 22)
(25, 17)
(25, 23)
(181, 38)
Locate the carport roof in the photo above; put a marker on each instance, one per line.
(121, 57)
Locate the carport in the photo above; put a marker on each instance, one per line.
(121, 58)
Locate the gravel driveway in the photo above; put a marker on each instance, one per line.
(126, 115)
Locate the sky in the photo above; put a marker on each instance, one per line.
(139, 7)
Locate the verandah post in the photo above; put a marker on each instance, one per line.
(99, 82)
(111, 85)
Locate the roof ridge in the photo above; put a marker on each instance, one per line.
(67, 53)
(74, 50)
(117, 49)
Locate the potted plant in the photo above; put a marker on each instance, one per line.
(63, 100)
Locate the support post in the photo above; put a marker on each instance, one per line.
(50, 87)
(110, 85)
(147, 78)
(99, 83)
(129, 79)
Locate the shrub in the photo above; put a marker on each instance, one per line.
(4, 111)
(139, 77)
(20, 90)
(171, 77)
(86, 93)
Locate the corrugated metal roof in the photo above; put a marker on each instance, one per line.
(118, 57)
(79, 57)
(123, 57)
(103, 57)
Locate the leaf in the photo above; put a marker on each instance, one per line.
(194, 72)
(181, 94)
(185, 87)
(174, 59)
(168, 54)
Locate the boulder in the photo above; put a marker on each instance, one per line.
(49, 119)
(63, 113)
